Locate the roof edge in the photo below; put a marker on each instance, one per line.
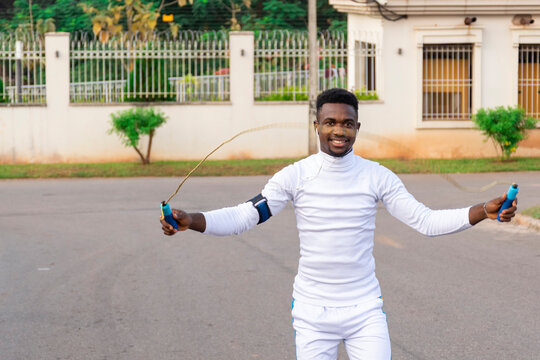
(441, 7)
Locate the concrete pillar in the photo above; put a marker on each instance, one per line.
(241, 67)
(243, 117)
(57, 69)
(58, 123)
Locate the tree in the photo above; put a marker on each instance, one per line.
(131, 124)
(234, 7)
(69, 17)
(65, 14)
(32, 24)
(287, 14)
(278, 14)
(140, 18)
(105, 22)
(505, 126)
(189, 15)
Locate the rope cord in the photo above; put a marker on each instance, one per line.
(424, 164)
(427, 164)
(259, 128)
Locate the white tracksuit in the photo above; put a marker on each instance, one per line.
(335, 201)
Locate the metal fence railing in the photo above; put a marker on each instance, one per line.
(281, 63)
(186, 86)
(190, 67)
(22, 69)
(98, 91)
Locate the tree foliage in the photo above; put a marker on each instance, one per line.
(130, 125)
(69, 16)
(140, 18)
(277, 14)
(505, 126)
(64, 14)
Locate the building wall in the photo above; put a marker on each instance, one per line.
(395, 119)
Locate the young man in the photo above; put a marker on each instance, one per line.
(336, 295)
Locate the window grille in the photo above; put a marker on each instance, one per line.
(364, 58)
(529, 79)
(447, 82)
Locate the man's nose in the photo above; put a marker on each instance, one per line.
(339, 130)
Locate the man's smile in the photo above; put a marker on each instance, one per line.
(339, 142)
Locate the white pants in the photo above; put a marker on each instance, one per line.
(362, 328)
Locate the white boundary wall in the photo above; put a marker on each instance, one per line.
(64, 132)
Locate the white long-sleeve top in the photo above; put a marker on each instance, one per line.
(335, 202)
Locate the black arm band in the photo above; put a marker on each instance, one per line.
(261, 204)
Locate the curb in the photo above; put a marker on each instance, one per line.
(528, 221)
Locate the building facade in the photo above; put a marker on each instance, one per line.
(440, 62)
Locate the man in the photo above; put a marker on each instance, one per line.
(336, 295)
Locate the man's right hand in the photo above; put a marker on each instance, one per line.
(183, 219)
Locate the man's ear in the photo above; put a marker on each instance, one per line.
(316, 126)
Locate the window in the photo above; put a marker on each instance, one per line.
(364, 59)
(449, 75)
(447, 79)
(529, 79)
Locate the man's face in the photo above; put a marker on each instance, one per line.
(337, 125)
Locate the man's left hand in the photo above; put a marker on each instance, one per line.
(492, 208)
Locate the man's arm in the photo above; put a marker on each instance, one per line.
(490, 209)
(407, 209)
(240, 218)
(193, 221)
(221, 222)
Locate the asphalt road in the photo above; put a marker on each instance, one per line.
(85, 273)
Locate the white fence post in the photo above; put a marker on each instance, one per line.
(241, 67)
(57, 69)
(56, 140)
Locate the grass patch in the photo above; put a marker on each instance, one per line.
(453, 166)
(135, 169)
(252, 167)
(533, 212)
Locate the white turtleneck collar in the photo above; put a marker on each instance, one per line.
(335, 162)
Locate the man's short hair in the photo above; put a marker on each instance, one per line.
(337, 96)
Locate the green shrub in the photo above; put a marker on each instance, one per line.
(3, 98)
(295, 93)
(505, 126)
(365, 95)
(131, 124)
(147, 76)
(288, 93)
